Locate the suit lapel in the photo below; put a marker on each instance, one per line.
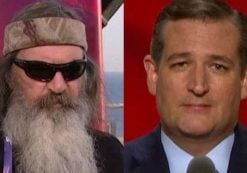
(152, 158)
(238, 160)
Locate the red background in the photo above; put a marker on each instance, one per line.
(140, 115)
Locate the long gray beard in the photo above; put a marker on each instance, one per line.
(50, 139)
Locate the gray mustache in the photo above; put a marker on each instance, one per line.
(52, 99)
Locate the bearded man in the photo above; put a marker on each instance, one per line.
(49, 90)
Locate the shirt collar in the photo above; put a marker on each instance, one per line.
(178, 159)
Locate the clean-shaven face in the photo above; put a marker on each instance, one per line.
(198, 81)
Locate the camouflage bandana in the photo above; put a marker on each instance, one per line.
(44, 31)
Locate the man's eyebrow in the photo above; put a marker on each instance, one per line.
(178, 55)
(213, 57)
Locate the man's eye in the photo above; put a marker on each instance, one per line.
(180, 65)
(219, 68)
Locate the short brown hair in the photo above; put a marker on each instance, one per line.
(199, 10)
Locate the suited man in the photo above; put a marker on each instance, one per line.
(197, 72)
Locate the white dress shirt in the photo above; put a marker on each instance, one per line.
(178, 159)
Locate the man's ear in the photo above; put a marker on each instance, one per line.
(244, 86)
(152, 76)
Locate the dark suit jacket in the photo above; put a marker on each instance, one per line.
(146, 154)
(108, 152)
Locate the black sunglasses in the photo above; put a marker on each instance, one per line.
(45, 72)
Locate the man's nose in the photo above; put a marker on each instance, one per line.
(57, 84)
(198, 81)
